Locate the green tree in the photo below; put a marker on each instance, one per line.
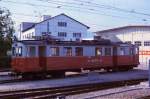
(6, 31)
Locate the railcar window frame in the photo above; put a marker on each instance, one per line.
(78, 51)
(124, 50)
(136, 50)
(108, 51)
(33, 49)
(13, 51)
(98, 51)
(56, 51)
(127, 49)
(18, 51)
(68, 51)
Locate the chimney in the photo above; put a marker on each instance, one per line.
(45, 17)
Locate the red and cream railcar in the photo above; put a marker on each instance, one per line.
(56, 57)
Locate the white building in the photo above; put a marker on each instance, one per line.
(60, 26)
(138, 35)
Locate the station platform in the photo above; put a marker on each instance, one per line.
(89, 78)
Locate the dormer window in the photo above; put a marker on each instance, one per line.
(62, 24)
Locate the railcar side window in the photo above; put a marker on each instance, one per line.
(79, 51)
(122, 51)
(19, 51)
(108, 51)
(131, 51)
(68, 51)
(98, 52)
(136, 50)
(13, 51)
(32, 52)
(55, 51)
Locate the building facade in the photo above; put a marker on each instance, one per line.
(138, 35)
(61, 26)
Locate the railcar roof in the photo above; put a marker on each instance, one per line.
(49, 42)
(71, 43)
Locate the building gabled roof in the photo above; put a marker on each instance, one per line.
(53, 18)
(123, 27)
(26, 25)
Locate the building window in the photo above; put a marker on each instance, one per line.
(128, 42)
(98, 52)
(147, 43)
(54, 51)
(30, 35)
(138, 43)
(46, 33)
(77, 39)
(62, 34)
(107, 51)
(62, 24)
(76, 34)
(79, 51)
(68, 51)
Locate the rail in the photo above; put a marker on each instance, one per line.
(43, 93)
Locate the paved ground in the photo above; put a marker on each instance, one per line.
(129, 92)
(143, 66)
(86, 79)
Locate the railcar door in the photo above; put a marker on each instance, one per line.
(42, 56)
(115, 56)
(134, 53)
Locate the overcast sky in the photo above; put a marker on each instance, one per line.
(97, 14)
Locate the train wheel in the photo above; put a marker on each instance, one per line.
(27, 76)
(123, 69)
(40, 76)
(108, 70)
(129, 68)
(58, 74)
(115, 70)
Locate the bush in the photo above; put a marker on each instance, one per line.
(5, 62)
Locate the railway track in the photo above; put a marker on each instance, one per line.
(146, 97)
(5, 69)
(114, 93)
(45, 93)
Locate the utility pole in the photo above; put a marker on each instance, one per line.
(149, 73)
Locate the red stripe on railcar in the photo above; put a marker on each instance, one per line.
(64, 63)
(127, 60)
(26, 65)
